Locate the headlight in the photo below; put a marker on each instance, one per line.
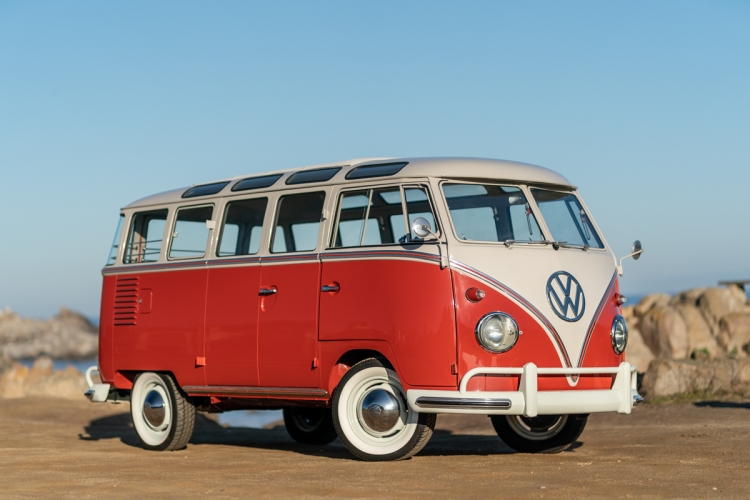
(619, 334)
(497, 332)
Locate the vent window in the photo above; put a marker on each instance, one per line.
(256, 182)
(318, 175)
(204, 189)
(379, 170)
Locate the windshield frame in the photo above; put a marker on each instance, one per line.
(536, 211)
(574, 193)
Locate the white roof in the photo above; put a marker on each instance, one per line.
(473, 169)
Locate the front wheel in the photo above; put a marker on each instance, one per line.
(310, 425)
(541, 434)
(372, 417)
(162, 416)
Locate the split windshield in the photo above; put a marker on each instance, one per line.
(487, 212)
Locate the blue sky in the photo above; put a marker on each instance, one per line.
(644, 105)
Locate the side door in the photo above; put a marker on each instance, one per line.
(290, 290)
(232, 301)
(388, 284)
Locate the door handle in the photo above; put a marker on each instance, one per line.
(330, 288)
(267, 291)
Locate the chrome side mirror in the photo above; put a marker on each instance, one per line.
(421, 227)
(636, 254)
(637, 250)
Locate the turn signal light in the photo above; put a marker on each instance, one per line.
(475, 294)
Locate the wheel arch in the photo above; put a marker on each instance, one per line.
(341, 356)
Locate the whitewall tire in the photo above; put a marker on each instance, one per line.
(163, 417)
(371, 415)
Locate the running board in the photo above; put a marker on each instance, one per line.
(216, 390)
(465, 403)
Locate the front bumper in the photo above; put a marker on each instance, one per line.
(528, 400)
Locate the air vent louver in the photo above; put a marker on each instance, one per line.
(126, 301)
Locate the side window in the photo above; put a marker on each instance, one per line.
(190, 234)
(298, 222)
(370, 217)
(418, 205)
(242, 227)
(145, 237)
(112, 259)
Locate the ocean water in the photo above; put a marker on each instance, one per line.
(61, 364)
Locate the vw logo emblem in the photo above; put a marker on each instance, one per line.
(565, 296)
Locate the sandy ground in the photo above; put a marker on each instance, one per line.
(79, 449)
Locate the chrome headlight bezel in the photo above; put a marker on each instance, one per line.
(619, 320)
(478, 332)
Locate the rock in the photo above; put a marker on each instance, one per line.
(715, 303)
(669, 377)
(665, 332)
(650, 301)
(42, 380)
(12, 382)
(738, 293)
(66, 336)
(734, 333)
(637, 352)
(5, 362)
(689, 297)
(699, 335)
(66, 384)
(42, 366)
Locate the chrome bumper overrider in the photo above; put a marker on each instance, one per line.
(528, 400)
(97, 393)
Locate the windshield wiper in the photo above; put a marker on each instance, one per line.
(555, 244)
(508, 243)
(563, 244)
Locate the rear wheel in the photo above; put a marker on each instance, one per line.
(372, 417)
(162, 416)
(541, 434)
(310, 425)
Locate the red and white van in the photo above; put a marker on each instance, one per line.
(364, 298)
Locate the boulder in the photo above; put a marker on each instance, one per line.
(734, 333)
(738, 293)
(688, 297)
(715, 303)
(41, 380)
(12, 382)
(664, 331)
(650, 301)
(66, 336)
(701, 342)
(637, 352)
(670, 377)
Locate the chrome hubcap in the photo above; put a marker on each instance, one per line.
(380, 410)
(153, 409)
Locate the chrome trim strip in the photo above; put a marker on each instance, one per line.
(255, 391)
(273, 259)
(468, 403)
(383, 254)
